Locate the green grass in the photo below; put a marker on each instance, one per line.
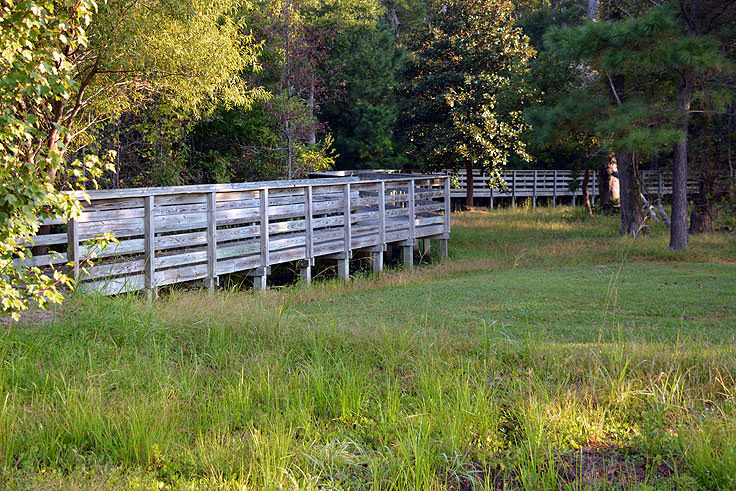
(547, 353)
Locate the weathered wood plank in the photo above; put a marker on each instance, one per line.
(107, 270)
(149, 246)
(115, 286)
(263, 194)
(211, 241)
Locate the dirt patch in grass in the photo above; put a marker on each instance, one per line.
(590, 467)
(600, 466)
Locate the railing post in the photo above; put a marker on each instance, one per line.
(554, 188)
(446, 234)
(382, 212)
(534, 190)
(377, 252)
(346, 214)
(343, 263)
(595, 177)
(408, 248)
(412, 213)
(305, 269)
(660, 184)
(149, 246)
(260, 277)
(513, 189)
(72, 252)
(211, 241)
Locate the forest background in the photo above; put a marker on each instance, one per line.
(127, 93)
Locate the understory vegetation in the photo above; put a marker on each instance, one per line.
(548, 352)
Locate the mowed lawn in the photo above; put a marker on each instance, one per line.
(546, 353)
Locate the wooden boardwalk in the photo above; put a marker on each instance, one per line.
(185, 233)
(552, 185)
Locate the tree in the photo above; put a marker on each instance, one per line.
(699, 40)
(639, 60)
(37, 39)
(187, 52)
(362, 114)
(573, 145)
(464, 88)
(294, 49)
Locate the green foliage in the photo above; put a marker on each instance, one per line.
(637, 63)
(550, 144)
(37, 80)
(189, 53)
(465, 88)
(363, 113)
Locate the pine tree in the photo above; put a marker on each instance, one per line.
(647, 65)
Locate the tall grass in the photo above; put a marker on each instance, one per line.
(495, 370)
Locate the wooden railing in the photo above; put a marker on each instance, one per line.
(185, 233)
(552, 184)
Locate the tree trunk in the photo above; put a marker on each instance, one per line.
(592, 8)
(632, 218)
(469, 191)
(586, 192)
(393, 19)
(609, 188)
(678, 230)
(310, 102)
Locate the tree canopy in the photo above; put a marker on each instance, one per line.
(151, 92)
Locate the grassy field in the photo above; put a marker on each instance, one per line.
(546, 353)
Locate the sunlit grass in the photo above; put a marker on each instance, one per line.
(547, 352)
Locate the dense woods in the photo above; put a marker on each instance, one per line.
(124, 93)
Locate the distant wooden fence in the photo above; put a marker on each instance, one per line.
(551, 184)
(178, 234)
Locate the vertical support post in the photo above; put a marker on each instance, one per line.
(305, 267)
(412, 213)
(444, 250)
(534, 191)
(446, 232)
(377, 252)
(554, 189)
(72, 252)
(347, 218)
(261, 276)
(382, 213)
(343, 268)
(426, 244)
(305, 272)
(259, 282)
(377, 259)
(513, 189)
(407, 255)
(447, 206)
(407, 250)
(149, 247)
(489, 185)
(594, 175)
(309, 240)
(211, 241)
(660, 185)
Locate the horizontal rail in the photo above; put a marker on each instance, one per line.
(170, 235)
(552, 183)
